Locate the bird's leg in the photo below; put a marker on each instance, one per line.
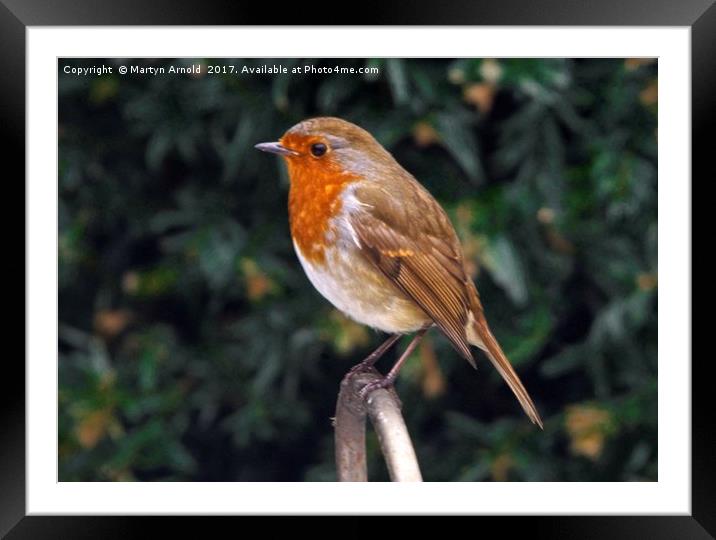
(373, 357)
(389, 379)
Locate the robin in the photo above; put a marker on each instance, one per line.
(379, 247)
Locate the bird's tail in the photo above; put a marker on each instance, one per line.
(479, 334)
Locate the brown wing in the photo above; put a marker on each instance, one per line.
(413, 243)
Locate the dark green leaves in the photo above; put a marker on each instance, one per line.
(193, 347)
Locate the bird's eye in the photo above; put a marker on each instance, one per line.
(318, 149)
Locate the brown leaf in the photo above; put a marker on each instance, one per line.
(491, 70)
(110, 322)
(433, 380)
(92, 427)
(424, 134)
(587, 426)
(456, 76)
(500, 467)
(482, 95)
(634, 63)
(555, 239)
(650, 94)
(258, 284)
(558, 242)
(131, 282)
(646, 281)
(545, 215)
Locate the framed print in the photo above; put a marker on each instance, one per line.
(188, 330)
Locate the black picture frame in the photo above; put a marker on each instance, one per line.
(17, 15)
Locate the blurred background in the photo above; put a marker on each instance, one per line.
(193, 347)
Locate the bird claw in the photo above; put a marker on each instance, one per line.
(385, 382)
(362, 367)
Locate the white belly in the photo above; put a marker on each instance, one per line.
(354, 286)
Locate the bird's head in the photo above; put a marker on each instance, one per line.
(329, 145)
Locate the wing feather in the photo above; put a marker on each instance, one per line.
(423, 269)
(413, 243)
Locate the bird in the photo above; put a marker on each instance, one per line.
(380, 248)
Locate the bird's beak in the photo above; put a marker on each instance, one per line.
(275, 148)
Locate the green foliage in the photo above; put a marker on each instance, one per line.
(193, 347)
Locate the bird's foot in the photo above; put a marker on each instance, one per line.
(361, 367)
(385, 382)
(373, 357)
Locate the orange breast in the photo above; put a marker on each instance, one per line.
(314, 198)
